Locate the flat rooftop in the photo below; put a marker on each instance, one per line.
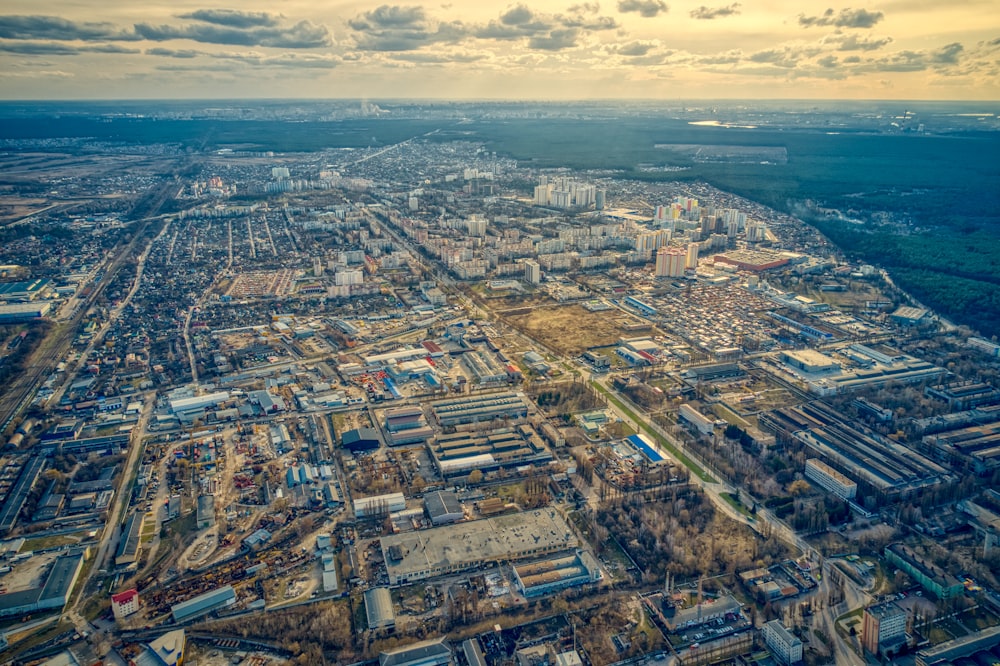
(427, 553)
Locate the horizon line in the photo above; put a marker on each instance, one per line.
(495, 100)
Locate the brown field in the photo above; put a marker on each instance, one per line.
(570, 329)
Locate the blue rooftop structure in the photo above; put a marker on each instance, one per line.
(648, 448)
(391, 388)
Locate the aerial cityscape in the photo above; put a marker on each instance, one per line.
(407, 397)
(503, 335)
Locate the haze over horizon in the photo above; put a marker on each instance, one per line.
(552, 50)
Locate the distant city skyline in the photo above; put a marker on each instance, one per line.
(548, 50)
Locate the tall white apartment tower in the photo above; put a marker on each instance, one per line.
(532, 272)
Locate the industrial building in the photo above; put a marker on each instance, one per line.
(483, 368)
(451, 548)
(830, 479)
(361, 439)
(987, 347)
(130, 544)
(197, 403)
(433, 652)
(964, 395)
(783, 644)
(907, 315)
(975, 448)
(755, 261)
(709, 373)
(696, 419)
(473, 409)
(394, 357)
(205, 511)
(705, 613)
(882, 468)
(648, 448)
(982, 647)
(167, 650)
(459, 452)
(883, 630)
(18, 493)
(378, 608)
(378, 505)
(16, 313)
(809, 360)
(52, 592)
(642, 307)
(473, 653)
(407, 425)
(27, 290)
(443, 507)
(933, 579)
(552, 574)
(900, 369)
(203, 604)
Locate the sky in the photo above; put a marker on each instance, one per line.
(482, 49)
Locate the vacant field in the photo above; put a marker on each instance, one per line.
(570, 329)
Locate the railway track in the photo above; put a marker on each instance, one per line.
(56, 345)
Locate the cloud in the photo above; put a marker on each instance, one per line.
(634, 49)
(543, 31)
(59, 49)
(727, 58)
(776, 57)
(395, 28)
(645, 8)
(213, 26)
(519, 15)
(36, 74)
(174, 53)
(847, 18)
(948, 55)
(588, 23)
(439, 58)
(902, 61)
(944, 60)
(706, 13)
(300, 61)
(302, 35)
(55, 28)
(556, 40)
(828, 62)
(855, 43)
(233, 61)
(585, 8)
(232, 18)
(389, 17)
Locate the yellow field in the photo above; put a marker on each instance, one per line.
(571, 329)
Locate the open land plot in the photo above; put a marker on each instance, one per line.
(18, 167)
(570, 329)
(702, 153)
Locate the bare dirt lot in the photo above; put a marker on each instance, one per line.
(571, 329)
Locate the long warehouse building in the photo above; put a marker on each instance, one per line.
(881, 467)
(478, 408)
(413, 556)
